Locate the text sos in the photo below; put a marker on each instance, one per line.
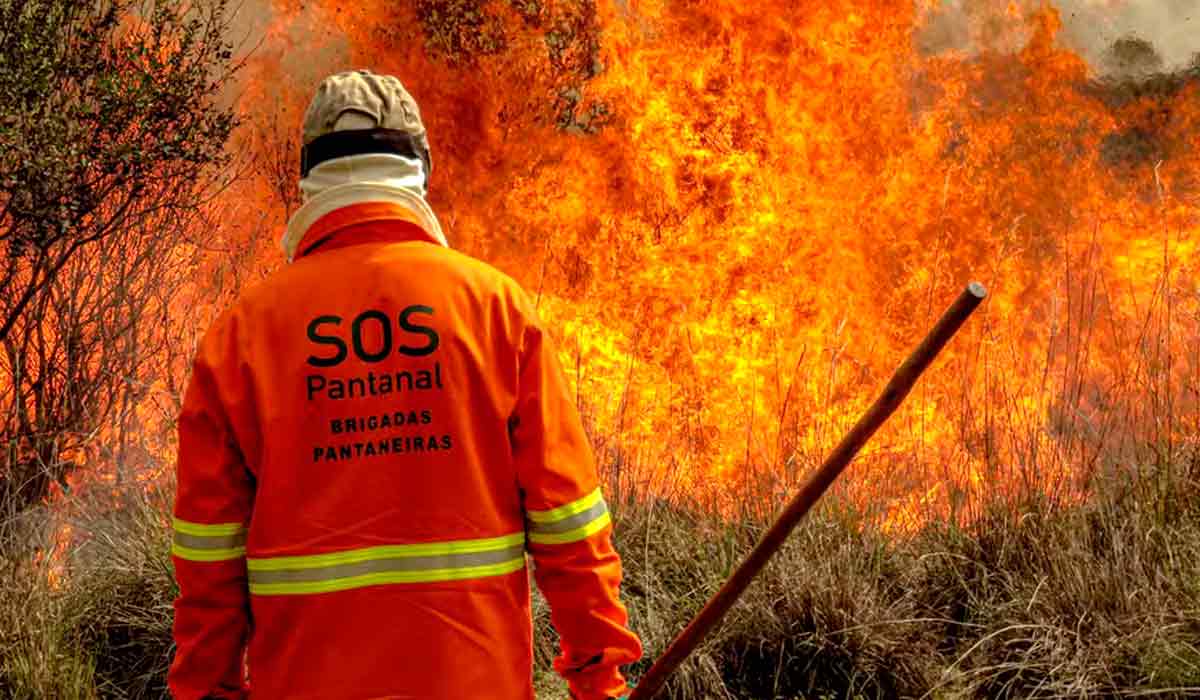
(326, 330)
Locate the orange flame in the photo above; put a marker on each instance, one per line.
(778, 201)
(740, 217)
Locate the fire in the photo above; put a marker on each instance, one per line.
(739, 217)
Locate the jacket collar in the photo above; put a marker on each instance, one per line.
(351, 225)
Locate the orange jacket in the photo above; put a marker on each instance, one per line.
(372, 441)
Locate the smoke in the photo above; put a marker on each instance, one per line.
(1171, 27)
(1101, 31)
(285, 48)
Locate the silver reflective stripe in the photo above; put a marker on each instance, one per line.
(210, 541)
(571, 522)
(441, 562)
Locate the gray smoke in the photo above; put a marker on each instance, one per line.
(1171, 27)
(1125, 37)
(284, 48)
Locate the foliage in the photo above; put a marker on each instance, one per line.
(109, 124)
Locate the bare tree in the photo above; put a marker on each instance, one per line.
(110, 127)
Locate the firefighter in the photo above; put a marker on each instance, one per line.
(372, 441)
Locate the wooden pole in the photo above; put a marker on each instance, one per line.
(897, 389)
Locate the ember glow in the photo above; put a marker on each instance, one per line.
(739, 217)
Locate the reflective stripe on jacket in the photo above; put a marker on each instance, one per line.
(372, 442)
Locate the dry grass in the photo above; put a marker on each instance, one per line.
(1031, 597)
(1095, 600)
(1098, 600)
(105, 630)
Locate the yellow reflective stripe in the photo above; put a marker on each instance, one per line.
(549, 516)
(387, 564)
(211, 541)
(192, 554)
(203, 530)
(386, 552)
(579, 533)
(375, 579)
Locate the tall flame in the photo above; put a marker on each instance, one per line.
(739, 216)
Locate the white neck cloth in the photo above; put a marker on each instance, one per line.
(369, 177)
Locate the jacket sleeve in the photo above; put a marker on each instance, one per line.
(568, 526)
(212, 508)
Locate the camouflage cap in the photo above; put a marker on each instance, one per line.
(382, 98)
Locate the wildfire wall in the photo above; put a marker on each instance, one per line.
(738, 216)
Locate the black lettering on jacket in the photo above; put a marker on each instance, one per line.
(426, 331)
(385, 325)
(314, 336)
